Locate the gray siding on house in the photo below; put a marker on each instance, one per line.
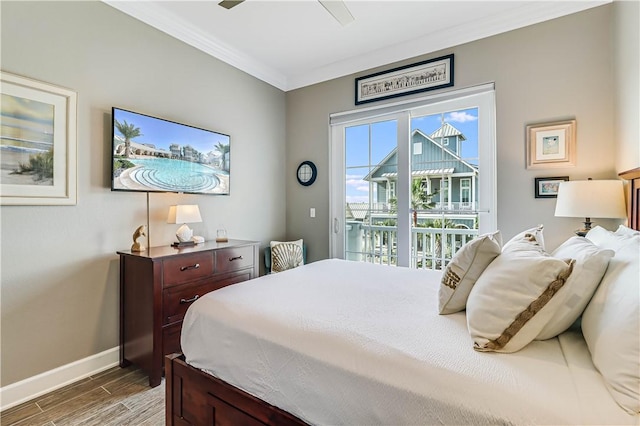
(432, 157)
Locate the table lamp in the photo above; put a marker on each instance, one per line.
(590, 198)
(184, 213)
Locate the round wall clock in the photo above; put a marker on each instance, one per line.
(307, 173)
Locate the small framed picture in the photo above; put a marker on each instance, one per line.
(547, 187)
(551, 145)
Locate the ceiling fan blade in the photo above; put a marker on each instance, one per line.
(228, 4)
(338, 10)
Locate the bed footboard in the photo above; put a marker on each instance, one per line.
(194, 397)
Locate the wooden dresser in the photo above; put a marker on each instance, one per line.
(159, 284)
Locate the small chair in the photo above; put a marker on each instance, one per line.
(267, 257)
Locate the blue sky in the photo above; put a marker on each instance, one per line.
(163, 133)
(383, 136)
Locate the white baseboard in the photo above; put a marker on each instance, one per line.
(24, 390)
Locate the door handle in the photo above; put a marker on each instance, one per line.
(336, 225)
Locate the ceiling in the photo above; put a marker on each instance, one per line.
(296, 43)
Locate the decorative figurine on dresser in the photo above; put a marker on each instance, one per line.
(140, 232)
(159, 284)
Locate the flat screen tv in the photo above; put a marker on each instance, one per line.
(151, 154)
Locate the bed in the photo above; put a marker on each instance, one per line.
(337, 342)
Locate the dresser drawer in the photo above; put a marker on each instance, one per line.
(171, 339)
(185, 268)
(233, 259)
(176, 300)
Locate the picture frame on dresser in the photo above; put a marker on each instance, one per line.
(39, 142)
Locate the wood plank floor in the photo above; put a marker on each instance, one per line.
(118, 396)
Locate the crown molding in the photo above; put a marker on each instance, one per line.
(153, 14)
(529, 14)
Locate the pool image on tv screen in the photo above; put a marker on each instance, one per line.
(155, 155)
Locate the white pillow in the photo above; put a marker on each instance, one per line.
(611, 322)
(624, 230)
(514, 297)
(607, 239)
(464, 269)
(286, 255)
(591, 263)
(535, 232)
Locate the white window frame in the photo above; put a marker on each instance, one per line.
(392, 190)
(444, 195)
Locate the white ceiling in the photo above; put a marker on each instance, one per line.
(296, 43)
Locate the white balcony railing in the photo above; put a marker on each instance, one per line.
(431, 248)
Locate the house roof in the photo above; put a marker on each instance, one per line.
(447, 131)
(418, 173)
(358, 211)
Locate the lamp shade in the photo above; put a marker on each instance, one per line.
(591, 198)
(184, 213)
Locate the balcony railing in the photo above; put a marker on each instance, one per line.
(363, 211)
(431, 248)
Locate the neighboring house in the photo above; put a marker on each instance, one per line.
(436, 162)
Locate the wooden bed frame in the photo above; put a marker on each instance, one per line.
(633, 197)
(194, 397)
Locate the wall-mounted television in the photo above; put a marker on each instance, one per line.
(152, 154)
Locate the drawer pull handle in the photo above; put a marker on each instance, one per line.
(193, 299)
(186, 268)
(231, 259)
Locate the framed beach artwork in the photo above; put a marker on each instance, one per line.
(547, 187)
(419, 77)
(551, 145)
(37, 142)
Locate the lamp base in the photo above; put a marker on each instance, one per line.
(587, 227)
(183, 244)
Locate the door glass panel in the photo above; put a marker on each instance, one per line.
(370, 212)
(444, 206)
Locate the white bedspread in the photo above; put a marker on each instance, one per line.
(337, 342)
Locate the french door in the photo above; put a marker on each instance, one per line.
(412, 182)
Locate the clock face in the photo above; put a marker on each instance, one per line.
(307, 173)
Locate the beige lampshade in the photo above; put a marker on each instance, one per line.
(591, 198)
(184, 213)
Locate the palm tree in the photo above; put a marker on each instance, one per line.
(128, 131)
(222, 148)
(420, 200)
(224, 151)
(442, 224)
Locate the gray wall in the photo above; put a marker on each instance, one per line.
(626, 50)
(551, 71)
(59, 267)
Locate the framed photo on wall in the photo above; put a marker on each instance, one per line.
(419, 77)
(551, 145)
(38, 142)
(547, 187)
